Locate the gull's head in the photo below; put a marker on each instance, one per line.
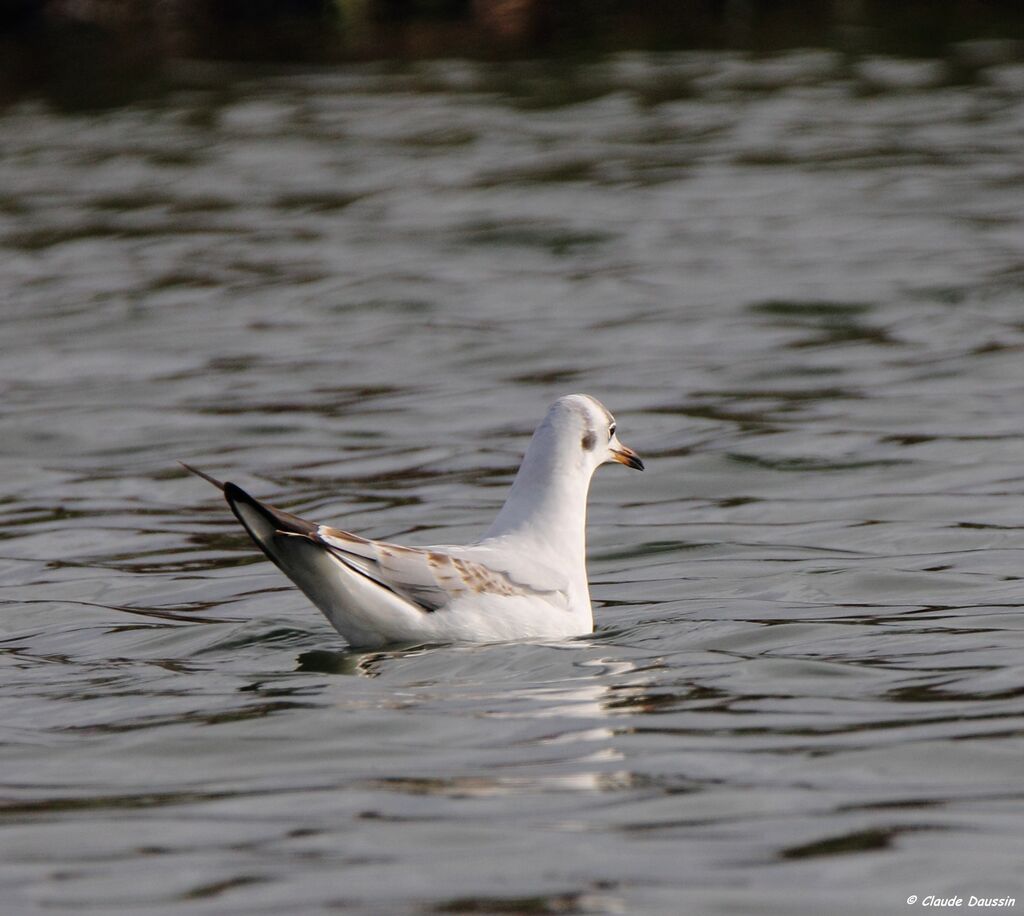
(586, 433)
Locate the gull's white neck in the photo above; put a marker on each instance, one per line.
(547, 505)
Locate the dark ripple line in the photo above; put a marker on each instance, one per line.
(128, 609)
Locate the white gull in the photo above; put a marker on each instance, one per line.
(525, 578)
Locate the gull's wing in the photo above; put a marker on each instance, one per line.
(433, 578)
(420, 579)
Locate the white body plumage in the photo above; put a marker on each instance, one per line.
(526, 578)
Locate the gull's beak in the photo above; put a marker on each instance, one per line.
(625, 455)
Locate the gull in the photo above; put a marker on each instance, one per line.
(526, 578)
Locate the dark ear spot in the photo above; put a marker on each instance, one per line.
(589, 441)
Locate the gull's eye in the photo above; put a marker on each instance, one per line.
(611, 431)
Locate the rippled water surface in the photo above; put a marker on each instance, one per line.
(798, 283)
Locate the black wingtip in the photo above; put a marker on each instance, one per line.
(234, 492)
(278, 519)
(218, 484)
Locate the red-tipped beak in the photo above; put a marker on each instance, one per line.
(625, 455)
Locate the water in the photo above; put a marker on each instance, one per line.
(796, 280)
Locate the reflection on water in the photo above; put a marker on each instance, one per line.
(796, 279)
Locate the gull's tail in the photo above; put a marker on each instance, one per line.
(353, 602)
(204, 475)
(265, 524)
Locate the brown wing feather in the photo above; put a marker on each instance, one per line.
(429, 578)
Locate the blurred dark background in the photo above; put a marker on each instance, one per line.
(81, 53)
